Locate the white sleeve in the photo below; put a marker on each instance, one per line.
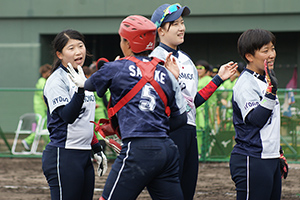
(57, 93)
(246, 97)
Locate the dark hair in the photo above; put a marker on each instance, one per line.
(163, 25)
(143, 53)
(252, 40)
(241, 67)
(203, 63)
(60, 42)
(170, 24)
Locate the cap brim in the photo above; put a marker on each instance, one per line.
(184, 11)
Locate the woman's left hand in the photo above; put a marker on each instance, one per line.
(227, 70)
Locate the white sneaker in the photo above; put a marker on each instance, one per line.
(25, 145)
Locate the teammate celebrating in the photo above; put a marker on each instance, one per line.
(66, 160)
(149, 158)
(171, 29)
(254, 162)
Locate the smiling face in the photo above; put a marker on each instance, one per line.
(172, 34)
(256, 61)
(74, 52)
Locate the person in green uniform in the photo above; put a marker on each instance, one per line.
(226, 105)
(39, 105)
(101, 103)
(203, 69)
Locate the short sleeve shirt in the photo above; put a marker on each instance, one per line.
(188, 77)
(58, 91)
(264, 142)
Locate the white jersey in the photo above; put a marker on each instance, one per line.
(58, 91)
(188, 77)
(248, 93)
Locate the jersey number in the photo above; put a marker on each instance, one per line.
(147, 102)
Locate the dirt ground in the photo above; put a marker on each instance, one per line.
(22, 179)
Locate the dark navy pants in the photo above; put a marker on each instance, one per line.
(69, 173)
(186, 141)
(255, 178)
(145, 162)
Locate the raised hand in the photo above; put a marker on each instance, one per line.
(271, 79)
(227, 70)
(78, 78)
(171, 65)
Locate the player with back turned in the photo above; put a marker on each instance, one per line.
(255, 162)
(149, 158)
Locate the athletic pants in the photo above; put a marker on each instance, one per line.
(69, 172)
(144, 162)
(256, 178)
(186, 141)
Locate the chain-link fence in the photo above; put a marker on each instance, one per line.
(215, 131)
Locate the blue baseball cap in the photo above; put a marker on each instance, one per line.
(168, 13)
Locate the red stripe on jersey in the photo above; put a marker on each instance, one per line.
(208, 90)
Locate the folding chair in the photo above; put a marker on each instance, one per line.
(28, 123)
(4, 139)
(41, 131)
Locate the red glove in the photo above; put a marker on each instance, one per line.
(271, 79)
(284, 168)
(109, 134)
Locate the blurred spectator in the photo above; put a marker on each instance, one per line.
(204, 78)
(93, 66)
(202, 69)
(39, 105)
(87, 71)
(101, 103)
(214, 71)
(289, 98)
(226, 105)
(229, 83)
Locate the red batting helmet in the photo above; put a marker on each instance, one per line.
(139, 31)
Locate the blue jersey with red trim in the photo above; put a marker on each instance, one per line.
(144, 115)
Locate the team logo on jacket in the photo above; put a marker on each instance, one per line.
(59, 100)
(89, 98)
(250, 105)
(188, 76)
